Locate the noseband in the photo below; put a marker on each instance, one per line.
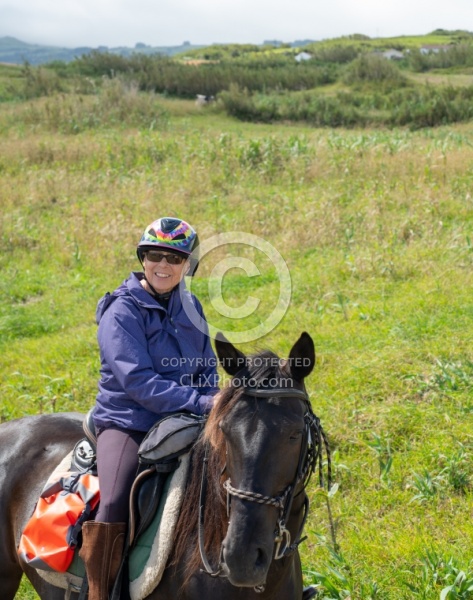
(313, 442)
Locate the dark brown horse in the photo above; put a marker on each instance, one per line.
(250, 468)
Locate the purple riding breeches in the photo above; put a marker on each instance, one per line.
(117, 463)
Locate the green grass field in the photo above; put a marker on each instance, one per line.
(376, 227)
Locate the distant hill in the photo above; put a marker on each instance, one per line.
(15, 51)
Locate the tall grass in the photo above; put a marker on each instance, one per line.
(116, 103)
(376, 227)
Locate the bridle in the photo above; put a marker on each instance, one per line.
(313, 443)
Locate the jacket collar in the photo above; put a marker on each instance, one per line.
(145, 299)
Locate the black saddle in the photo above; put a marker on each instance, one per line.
(89, 428)
(158, 458)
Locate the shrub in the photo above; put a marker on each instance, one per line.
(238, 103)
(339, 54)
(100, 63)
(430, 107)
(39, 82)
(372, 68)
(415, 108)
(318, 110)
(165, 75)
(458, 55)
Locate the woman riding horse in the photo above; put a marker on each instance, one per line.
(149, 348)
(260, 445)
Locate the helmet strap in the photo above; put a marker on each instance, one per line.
(164, 296)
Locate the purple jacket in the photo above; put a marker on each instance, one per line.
(154, 361)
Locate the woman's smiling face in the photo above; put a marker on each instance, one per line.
(162, 275)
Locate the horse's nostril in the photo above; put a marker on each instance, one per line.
(260, 558)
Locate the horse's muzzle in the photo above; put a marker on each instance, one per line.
(246, 566)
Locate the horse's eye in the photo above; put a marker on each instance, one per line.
(295, 436)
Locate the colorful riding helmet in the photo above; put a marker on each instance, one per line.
(173, 235)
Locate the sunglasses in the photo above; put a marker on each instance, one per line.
(171, 259)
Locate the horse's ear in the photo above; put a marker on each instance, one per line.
(302, 357)
(231, 359)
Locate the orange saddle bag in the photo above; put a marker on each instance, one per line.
(51, 535)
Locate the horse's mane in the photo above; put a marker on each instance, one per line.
(260, 367)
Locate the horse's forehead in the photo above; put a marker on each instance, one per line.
(267, 408)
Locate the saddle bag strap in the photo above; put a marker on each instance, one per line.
(72, 537)
(84, 589)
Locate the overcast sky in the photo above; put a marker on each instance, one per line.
(73, 23)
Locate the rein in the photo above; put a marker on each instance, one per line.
(311, 455)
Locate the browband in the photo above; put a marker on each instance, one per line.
(281, 392)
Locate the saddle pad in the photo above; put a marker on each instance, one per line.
(149, 556)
